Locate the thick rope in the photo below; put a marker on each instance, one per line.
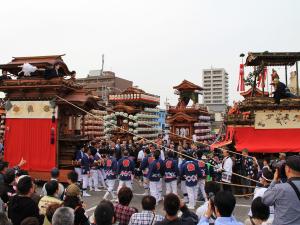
(189, 139)
(149, 141)
(237, 185)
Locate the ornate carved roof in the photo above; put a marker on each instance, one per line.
(43, 62)
(258, 92)
(187, 85)
(133, 90)
(124, 108)
(181, 117)
(272, 58)
(51, 59)
(81, 98)
(31, 83)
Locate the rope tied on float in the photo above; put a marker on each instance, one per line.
(150, 141)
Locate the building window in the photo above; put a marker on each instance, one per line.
(217, 93)
(217, 71)
(217, 101)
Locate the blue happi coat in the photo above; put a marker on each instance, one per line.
(171, 170)
(156, 170)
(146, 163)
(125, 168)
(110, 168)
(190, 171)
(85, 164)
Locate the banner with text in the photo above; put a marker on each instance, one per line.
(30, 110)
(280, 119)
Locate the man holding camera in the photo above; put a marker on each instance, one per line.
(222, 206)
(211, 189)
(285, 197)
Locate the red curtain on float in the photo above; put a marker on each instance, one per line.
(31, 139)
(267, 140)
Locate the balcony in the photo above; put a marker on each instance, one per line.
(134, 97)
(188, 109)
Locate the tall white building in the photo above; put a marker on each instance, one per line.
(215, 94)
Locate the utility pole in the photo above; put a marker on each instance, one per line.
(97, 83)
(167, 103)
(102, 65)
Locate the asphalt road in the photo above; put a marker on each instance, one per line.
(241, 209)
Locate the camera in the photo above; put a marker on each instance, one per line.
(280, 166)
(211, 198)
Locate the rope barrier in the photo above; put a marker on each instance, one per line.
(186, 138)
(244, 195)
(237, 185)
(150, 141)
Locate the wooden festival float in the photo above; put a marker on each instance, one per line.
(93, 125)
(257, 123)
(133, 112)
(41, 126)
(184, 120)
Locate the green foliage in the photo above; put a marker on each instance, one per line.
(249, 80)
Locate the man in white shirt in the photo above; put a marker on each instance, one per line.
(226, 169)
(265, 180)
(141, 155)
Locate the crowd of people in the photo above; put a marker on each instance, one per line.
(161, 168)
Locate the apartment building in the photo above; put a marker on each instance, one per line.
(215, 84)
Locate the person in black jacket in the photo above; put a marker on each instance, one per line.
(281, 91)
(172, 205)
(55, 71)
(79, 213)
(21, 205)
(7, 189)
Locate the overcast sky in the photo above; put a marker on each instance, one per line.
(155, 43)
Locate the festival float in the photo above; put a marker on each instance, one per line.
(188, 122)
(134, 115)
(93, 125)
(44, 119)
(262, 123)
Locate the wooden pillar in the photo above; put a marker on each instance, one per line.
(70, 123)
(297, 75)
(78, 123)
(286, 81)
